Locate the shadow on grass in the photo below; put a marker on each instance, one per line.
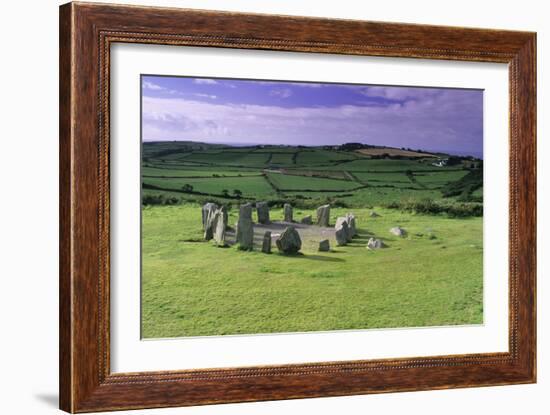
(197, 239)
(313, 257)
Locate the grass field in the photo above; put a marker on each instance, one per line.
(251, 186)
(191, 288)
(291, 183)
(195, 289)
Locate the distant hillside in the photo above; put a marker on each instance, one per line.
(392, 152)
(161, 149)
(156, 149)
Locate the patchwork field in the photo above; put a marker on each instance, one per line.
(191, 288)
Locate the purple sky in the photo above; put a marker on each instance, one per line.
(274, 112)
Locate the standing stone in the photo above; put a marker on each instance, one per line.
(307, 220)
(375, 244)
(340, 224)
(266, 244)
(245, 228)
(220, 224)
(289, 242)
(324, 245)
(323, 215)
(398, 231)
(208, 210)
(350, 219)
(287, 208)
(225, 216)
(342, 232)
(263, 212)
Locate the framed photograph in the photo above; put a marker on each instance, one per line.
(260, 207)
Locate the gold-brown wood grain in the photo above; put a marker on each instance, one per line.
(86, 33)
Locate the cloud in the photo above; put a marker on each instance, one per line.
(449, 119)
(399, 93)
(165, 121)
(281, 93)
(205, 81)
(198, 94)
(294, 83)
(152, 86)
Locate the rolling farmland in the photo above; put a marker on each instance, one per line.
(433, 277)
(194, 172)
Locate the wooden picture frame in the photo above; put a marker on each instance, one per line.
(86, 33)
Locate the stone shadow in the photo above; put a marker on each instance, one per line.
(313, 257)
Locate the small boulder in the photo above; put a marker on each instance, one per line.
(342, 232)
(323, 215)
(373, 214)
(262, 209)
(398, 231)
(266, 243)
(375, 244)
(307, 220)
(287, 209)
(324, 245)
(289, 242)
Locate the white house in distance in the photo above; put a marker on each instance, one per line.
(440, 163)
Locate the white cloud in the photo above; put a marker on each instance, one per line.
(151, 86)
(281, 93)
(198, 94)
(399, 93)
(205, 81)
(293, 83)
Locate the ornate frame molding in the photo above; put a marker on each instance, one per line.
(87, 32)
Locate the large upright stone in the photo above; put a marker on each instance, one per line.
(263, 212)
(350, 219)
(289, 242)
(342, 232)
(266, 243)
(225, 215)
(220, 225)
(287, 209)
(245, 228)
(323, 215)
(208, 210)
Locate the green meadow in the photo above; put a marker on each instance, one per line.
(431, 277)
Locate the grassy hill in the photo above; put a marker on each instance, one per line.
(380, 151)
(179, 172)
